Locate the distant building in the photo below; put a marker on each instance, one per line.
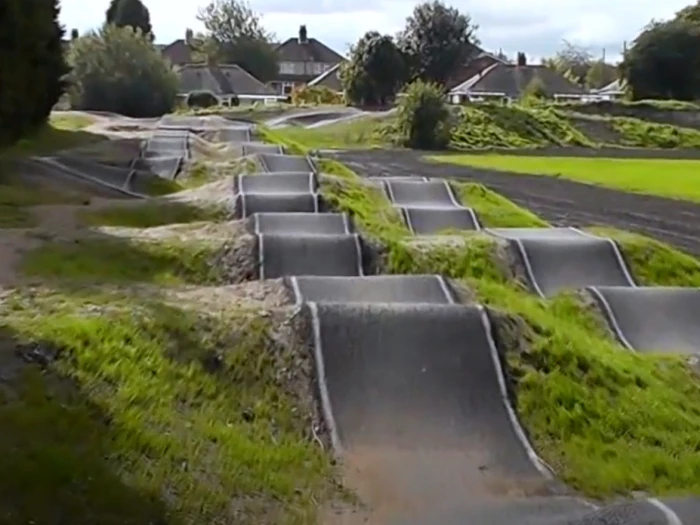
(510, 81)
(330, 79)
(225, 81)
(301, 60)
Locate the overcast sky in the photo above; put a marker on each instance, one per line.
(534, 26)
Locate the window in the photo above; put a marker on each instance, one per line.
(287, 68)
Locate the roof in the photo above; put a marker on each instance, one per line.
(292, 50)
(178, 52)
(329, 79)
(511, 80)
(224, 79)
(470, 69)
(616, 86)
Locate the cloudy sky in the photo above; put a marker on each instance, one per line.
(534, 26)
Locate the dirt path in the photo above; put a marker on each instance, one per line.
(559, 201)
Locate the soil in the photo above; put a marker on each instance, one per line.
(560, 202)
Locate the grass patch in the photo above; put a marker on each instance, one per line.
(640, 134)
(70, 121)
(361, 132)
(494, 210)
(681, 179)
(128, 420)
(122, 261)
(496, 126)
(150, 214)
(569, 376)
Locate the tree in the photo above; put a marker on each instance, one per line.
(436, 40)
(74, 34)
(573, 59)
(118, 69)
(664, 61)
(423, 119)
(235, 35)
(690, 13)
(31, 65)
(132, 13)
(374, 71)
(599, 75)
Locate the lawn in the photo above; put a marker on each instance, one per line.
(678, 179)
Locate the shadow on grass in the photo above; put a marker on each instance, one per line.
(58, 452)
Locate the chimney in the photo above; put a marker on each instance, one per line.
(302, 35)
(522, 59)
(189, 35)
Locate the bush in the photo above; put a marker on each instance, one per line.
(120, 70)
(31, 66)
(304, 95)
(202, 99)
(423, 117)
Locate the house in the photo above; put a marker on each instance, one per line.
(225, 81)
(178, 52)
(509, 82)
(330, 79)
(613, 91)
(480, 61)
(301, 60)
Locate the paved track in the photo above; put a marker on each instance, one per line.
(559, 201)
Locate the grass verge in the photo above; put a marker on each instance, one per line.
(150, 214)
(123, 260)
(137, 411)
(362, 132)
(681, 179)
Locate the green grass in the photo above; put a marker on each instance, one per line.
(681, 178)
(361, 132)
(640, 134)
(494, 210)
(150, 214)
(143, 412)
(123, 261)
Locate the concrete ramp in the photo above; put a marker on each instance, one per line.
(164, 167)
(253, 148)
(564, 259)
(432, 194)
(415, 289)
(286, 255)
(648, 511)
(248, 204)
(275, 163)
(301, 223)
(427, 221)
(416, 402)
(654, 319)
(234, 134)
(274, 183)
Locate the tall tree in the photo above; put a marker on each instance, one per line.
(132, 13)
(235, 35)
(575, 61)
(664, 61)
(436, 40)
(690, 13)
(374, 71)
(31, 65)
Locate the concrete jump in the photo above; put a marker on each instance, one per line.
(429, 207)
(285, 163)
(653, 319)
(415, 399)
(648, 511)
(252, 148)
(276, 183)
(416, 289)
(300, 223)
(164, 167)
(325, 255)
(557, 259)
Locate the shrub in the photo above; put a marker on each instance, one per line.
(202, 99)
(118, 69)
(423, 117)
(315, 95)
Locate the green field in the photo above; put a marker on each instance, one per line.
(678, 179)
